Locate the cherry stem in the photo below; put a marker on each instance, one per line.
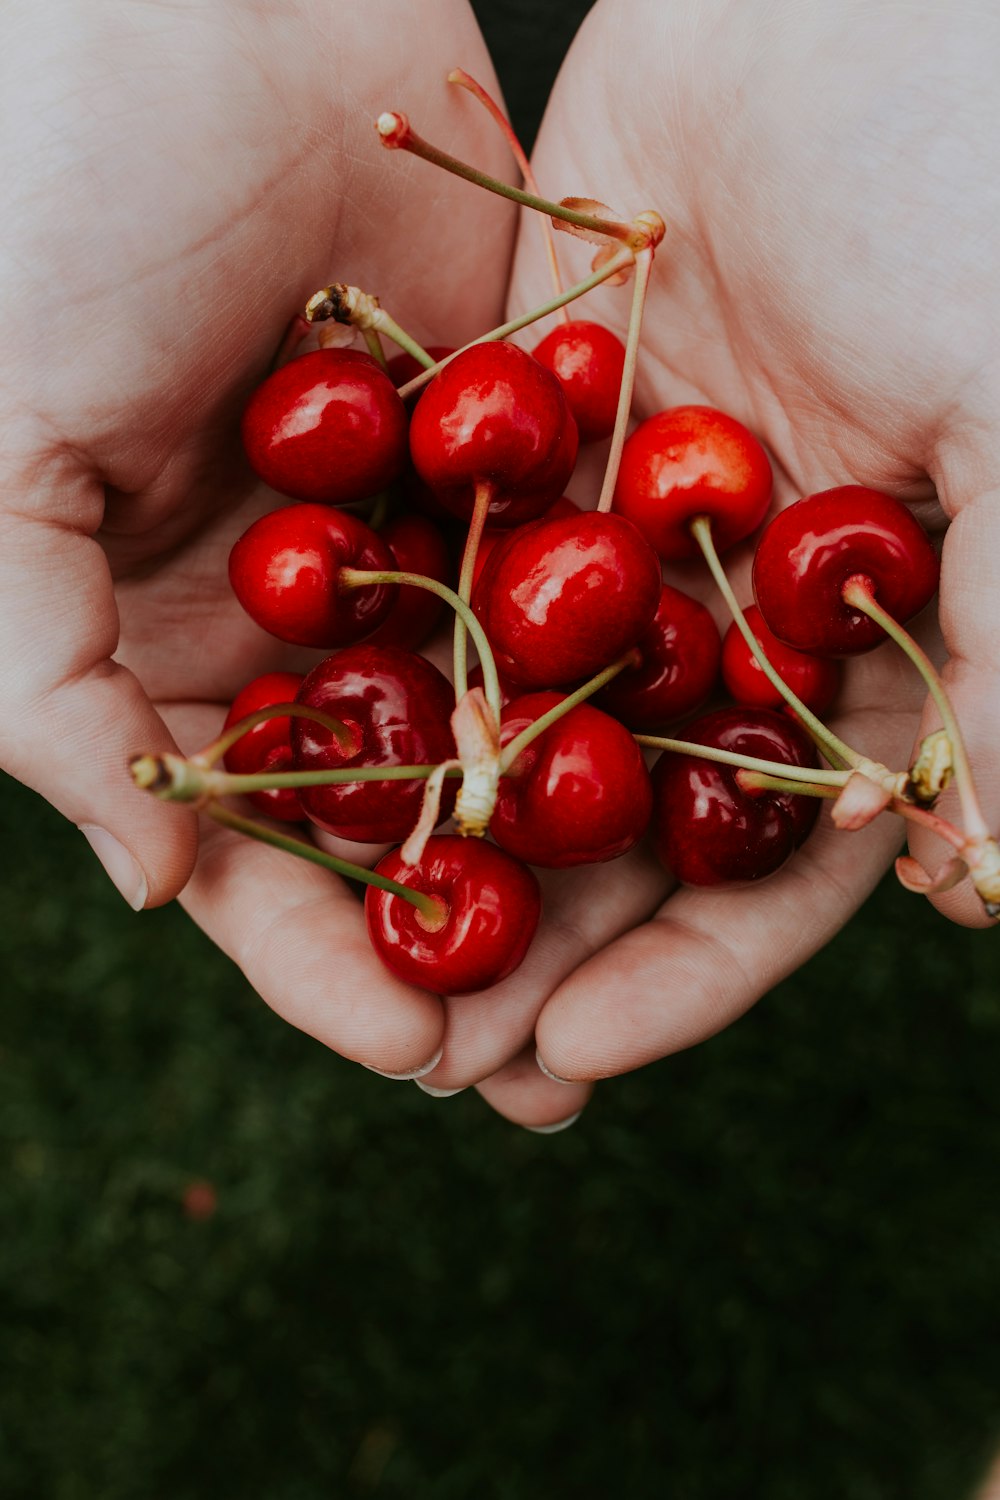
(701, 529)
(430, 907)
(618, 262)
(396, 133)
(354, 308)
(485, 490)
(805, 774)
(347, 739)
(466, 81)
(858, 592)
(554, 714)
(643, 267)
(760, 781)
(356, 578)
(183, 780)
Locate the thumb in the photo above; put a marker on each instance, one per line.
(70, 717)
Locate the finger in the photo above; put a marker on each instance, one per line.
(522, 1094)
(970, 587)
(706, 957)
(582, 910)
(72, 716)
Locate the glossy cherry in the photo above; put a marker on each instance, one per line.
(587, 360)
(561, 599)
(687, 462)
(811, 550)
(493, 535)
(677, 668)
(706, 829)
(328, 426)
(266, 747)
(418, 546)
(578, 794)
(494, 415)
(490, 906)
(284, 572)
(397, 706)
(813, 679)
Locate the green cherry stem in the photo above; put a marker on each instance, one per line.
(347, 739)
(701, 528)
(859, 594)
(466, 81)
(356, 578)
(643, 267)
(558, 710)
(183, 780)
(374, 345)
(358, 309)
(760, 781)
(805, 775)
(397, 134)
(618, 262)
(430, 907)
(485, 490)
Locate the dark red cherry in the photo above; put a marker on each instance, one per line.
(578, 794)
(491, 904)
(679, 662)
(494, 415)
(561, 599)
(398, 708)
(693, 461)
(492, 535)
(814, 679)
(266, 747)
(327, 426)
(706, 829)
(417, 546)
(809, 551)
(284, 572)
(587, 360)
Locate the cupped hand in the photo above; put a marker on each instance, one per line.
(828, 176)
(180, 180)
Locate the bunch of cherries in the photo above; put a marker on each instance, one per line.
(586, 657)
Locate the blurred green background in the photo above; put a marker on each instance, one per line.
(769, 1267)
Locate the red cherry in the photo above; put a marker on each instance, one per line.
(266, 747)
(588, 361)
(417, 547)
(677, 670)
(494, 415)
(284, 571)
(578, 794)
(327, 426)
(813, 679)
(809, 551)
(402, 368)
(398, 707)
(561, 599)
(706, 829)
(564, 506)
(491, 907)
(687, 462)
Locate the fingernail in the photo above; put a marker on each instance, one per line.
(439, 1093)
(414, 1073)
(559, 1125)
(549, 1073)
(126, 875)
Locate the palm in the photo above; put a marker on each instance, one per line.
(825, 277)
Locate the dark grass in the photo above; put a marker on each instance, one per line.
(768, 1268)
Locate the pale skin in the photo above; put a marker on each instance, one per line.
(184, 179)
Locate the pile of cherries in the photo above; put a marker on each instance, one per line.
(587, 658)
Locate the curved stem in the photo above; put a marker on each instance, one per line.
(466, 81)
(806, 774)
(859, 594)
(347, 740)
(485, 490)
(428, 906)
(643, 267)
(521, 741)
(617, 263)
(360, 577)
(701, 529)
